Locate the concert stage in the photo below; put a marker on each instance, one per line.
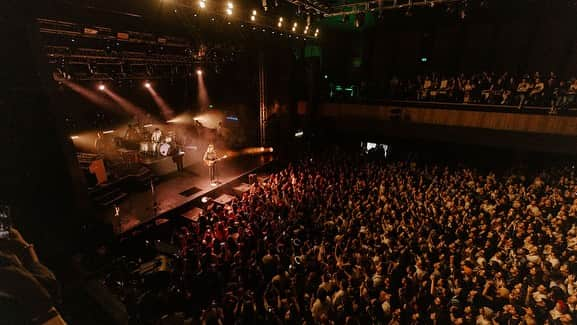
(175, 190)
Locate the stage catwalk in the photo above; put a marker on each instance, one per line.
(177, 189)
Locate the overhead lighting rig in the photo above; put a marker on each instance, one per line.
(384, 5)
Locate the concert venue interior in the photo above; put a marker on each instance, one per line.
(288, 162)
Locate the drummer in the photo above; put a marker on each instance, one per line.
(155, 138)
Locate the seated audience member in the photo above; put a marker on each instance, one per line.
(536, 93)
(550, 86)
(572, 92)
(487, 87)
(425, 89)
(434, 90)
(523, 89)
(559, 98)
(497, 89)
(468, 88)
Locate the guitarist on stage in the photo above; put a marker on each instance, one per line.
(210, 158)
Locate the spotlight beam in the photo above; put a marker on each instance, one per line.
(125, 104)
(167, 112)
(90, 94)
(203, 99)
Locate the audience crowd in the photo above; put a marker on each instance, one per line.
(345, 238)
(489, 88)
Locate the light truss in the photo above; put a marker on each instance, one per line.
(382, 5)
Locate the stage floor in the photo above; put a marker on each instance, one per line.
(177, 189)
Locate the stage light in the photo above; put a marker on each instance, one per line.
(252, 18)
(254, 12)
(198, 72)
(108, 132)
(74, 137)
(147, 126)
(101, 87)
(295, 27)
(202, 4)
(204, 199)
(229, 11)
(280, 20)
(147, 85)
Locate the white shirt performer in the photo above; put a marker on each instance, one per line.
(155, 138)
(156, 135)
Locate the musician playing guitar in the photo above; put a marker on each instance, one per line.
(210, 159)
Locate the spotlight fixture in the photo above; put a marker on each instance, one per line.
(202, 4)
(101, 87)
(229, 7)
(252, 18)
(74, 137)
(254, 12)
(280, 20)
(147, 85)
(199, 72)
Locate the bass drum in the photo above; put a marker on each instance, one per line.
(164, 149)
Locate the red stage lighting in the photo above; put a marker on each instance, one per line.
(147, 85)
(199, 72)
(101, 87)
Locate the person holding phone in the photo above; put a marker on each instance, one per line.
(28, 289)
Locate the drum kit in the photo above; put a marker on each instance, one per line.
(164, 148)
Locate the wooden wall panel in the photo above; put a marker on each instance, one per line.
(517, 122)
